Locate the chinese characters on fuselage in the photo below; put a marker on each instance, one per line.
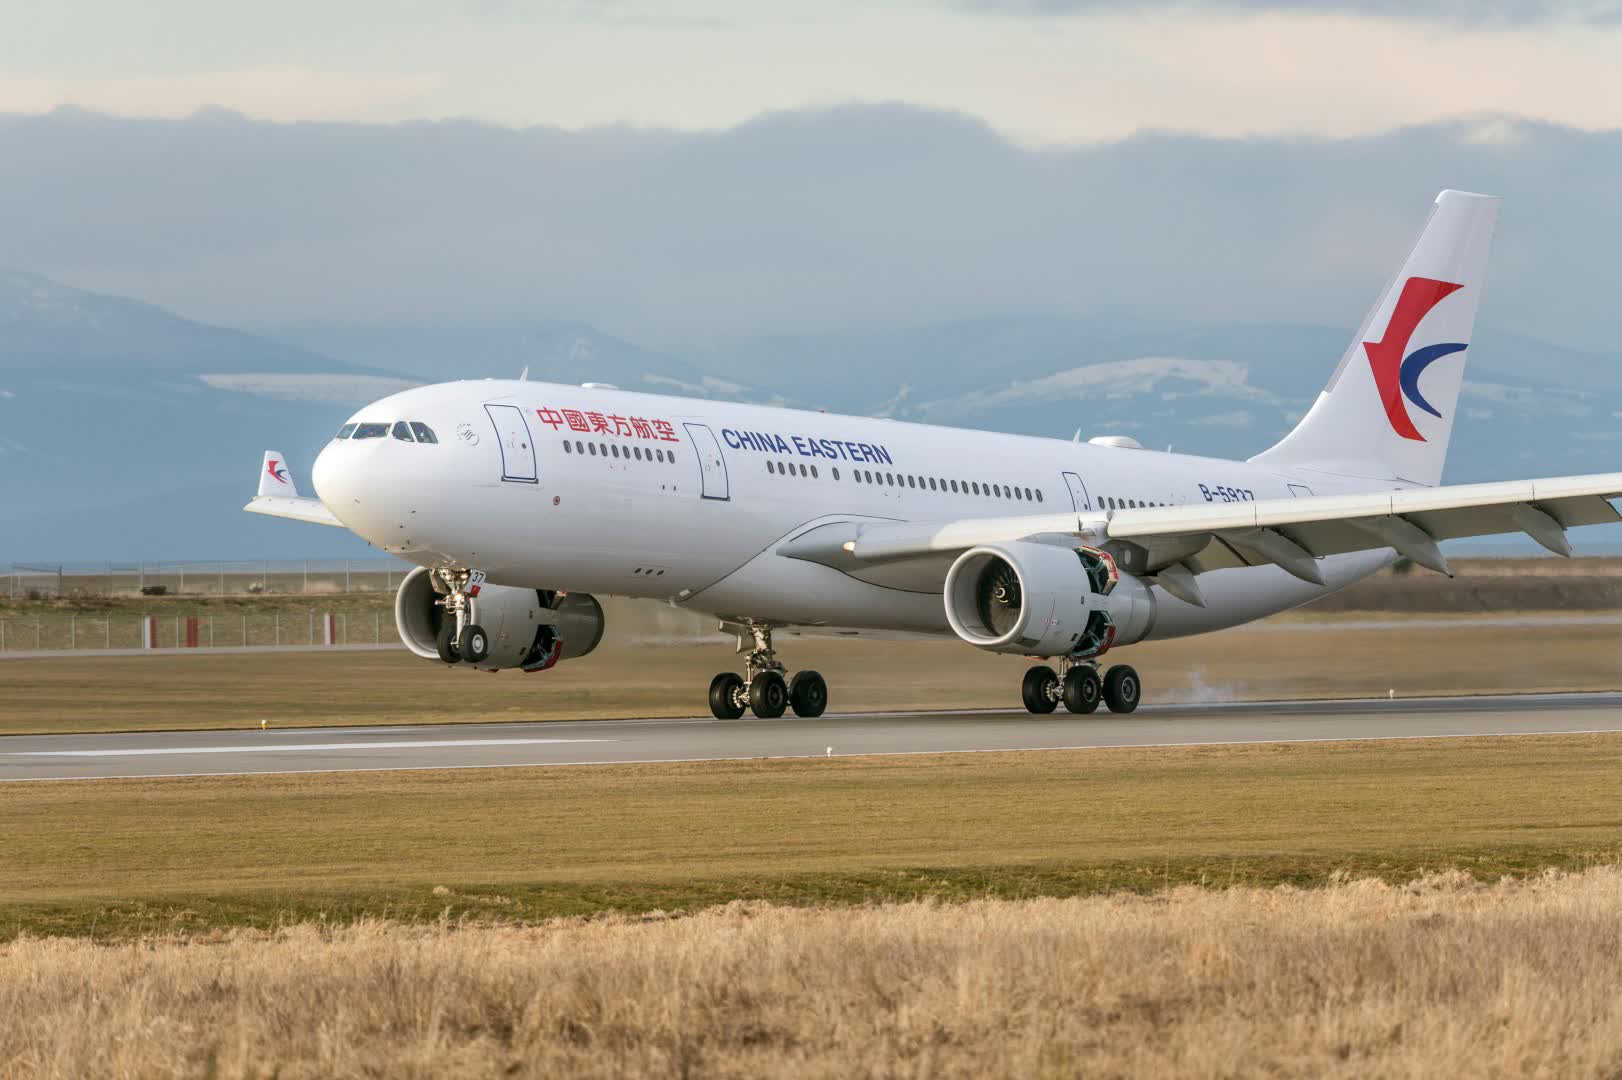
(596, 423)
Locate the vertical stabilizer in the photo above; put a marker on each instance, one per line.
(275, 478)
(1387, 413)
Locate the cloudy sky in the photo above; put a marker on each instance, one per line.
(1041, 71)
(685, 174)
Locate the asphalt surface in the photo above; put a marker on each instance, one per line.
(484, 746)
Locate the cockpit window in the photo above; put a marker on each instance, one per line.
(346, 431)
(370, 431)
(425, 434)
(402, 431)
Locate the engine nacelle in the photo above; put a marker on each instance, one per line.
(523, 631)
(1045, 600)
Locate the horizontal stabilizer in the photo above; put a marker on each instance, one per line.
(278, 495)
(294, 508)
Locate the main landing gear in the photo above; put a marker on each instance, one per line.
(1080, 688)
(459, 638)
(763, 689)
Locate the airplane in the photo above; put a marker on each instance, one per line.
(519, 501)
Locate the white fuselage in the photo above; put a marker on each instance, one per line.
(686, 500)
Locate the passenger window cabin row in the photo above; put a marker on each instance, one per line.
(602, 449)
(940, 485)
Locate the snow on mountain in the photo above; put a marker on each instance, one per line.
(96, 385)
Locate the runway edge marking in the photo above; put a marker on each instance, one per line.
(811, 756)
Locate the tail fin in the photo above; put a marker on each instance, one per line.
(1376, 418)
(275, 478)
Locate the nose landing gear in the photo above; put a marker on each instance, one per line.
(1080, 688)
(763, 689)
(459, 638)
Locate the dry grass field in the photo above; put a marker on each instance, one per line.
(1442, 976)
(114, 858)
(1421, 908)
(1288, 658)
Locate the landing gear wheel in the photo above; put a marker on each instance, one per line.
(1122, 690)
(1082, 689)
(768, 695)
(808, 694)
(445, 640)
(474, 644)
(1039, 689)
(725, 694)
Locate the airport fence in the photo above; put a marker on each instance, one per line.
(95, 633)
(304, 576)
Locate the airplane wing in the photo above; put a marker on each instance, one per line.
(278, 495)
(1178, 542)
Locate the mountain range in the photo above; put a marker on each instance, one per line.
(129, 432)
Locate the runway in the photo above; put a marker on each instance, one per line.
(533, 745)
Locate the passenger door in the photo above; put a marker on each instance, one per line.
(1078, 492)
(712, 466)
(517, 447)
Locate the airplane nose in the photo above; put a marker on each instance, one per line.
(333, 479)
(369, 492)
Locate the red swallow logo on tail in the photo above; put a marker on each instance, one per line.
(1396, 370)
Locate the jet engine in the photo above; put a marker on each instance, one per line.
(527, 628)
(1046, 600)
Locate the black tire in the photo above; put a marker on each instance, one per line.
(1037, 689)
(474, 644)
(808, 694)
(1082, 689)
(724, 695)
(768, 695)
(446, 642)
(1122, 688)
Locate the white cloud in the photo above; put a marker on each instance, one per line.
(1464, 12)
(7, 394)
(1100, 73)
(337, 389)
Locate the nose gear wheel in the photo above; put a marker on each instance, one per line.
(458, 638)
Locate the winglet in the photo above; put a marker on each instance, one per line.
(275, 478)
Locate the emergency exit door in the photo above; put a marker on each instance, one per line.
(712, 466)
(517, 447)
(1078, 492)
